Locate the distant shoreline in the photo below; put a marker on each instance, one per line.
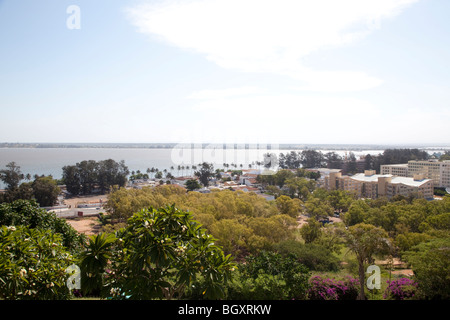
(281, 146)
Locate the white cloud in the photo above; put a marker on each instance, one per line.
(269, 36)
(288, 118)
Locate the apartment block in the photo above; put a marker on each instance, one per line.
(372, 185)
(400, 170)
(438, 171)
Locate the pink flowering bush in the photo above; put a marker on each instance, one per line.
(400, 289)
(332, 289)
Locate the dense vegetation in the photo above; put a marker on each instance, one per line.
(247, 225)
(85, 176)
(317, 159)
(168, 242)
(251, 247)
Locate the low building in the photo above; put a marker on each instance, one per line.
(372, 185)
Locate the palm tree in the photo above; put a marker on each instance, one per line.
(94, 261)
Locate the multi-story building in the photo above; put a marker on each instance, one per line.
(438, 171)
(429, 168)
(445, 174)
(400, 170)
(372, 185)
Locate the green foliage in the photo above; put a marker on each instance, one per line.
(161, 252)
(270, 276)
(84, 176)
(33, 264)
(365, 241)
(288, 206)
(311, 230)
(45, 190)
(192, 185)
(11, 176)
(28, 213)
(314, 256)
(205, 172)
(317, 208)
(429, 262)
(94, 260)
(242, 222)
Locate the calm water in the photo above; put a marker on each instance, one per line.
(49, 161)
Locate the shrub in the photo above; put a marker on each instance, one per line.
(332, 289)
(314, 256)
(270, 275)
(163, 251)
(263, 287)
(400, 289)
(28, 213)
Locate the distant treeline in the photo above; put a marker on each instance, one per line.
(87, 176)
(237, 146)
(332, 160)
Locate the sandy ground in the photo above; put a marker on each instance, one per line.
(302, 220)
(86, 225)
(85, 199)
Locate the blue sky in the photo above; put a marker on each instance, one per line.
(369, 72)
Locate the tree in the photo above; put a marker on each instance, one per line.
(293, 275)
(28, 213)
(233, 236)
(88, 173)
(317, 208)
(94, 260)
(192, 185)
(205, 173)
(311, 231)
(286, 205)
(351, 163)
(312, 159)
(366, 240)
(340, 200)
(83, 177)
(333, 160)
(291, 160)
(163, 251)
(445, 156)
(71, 178)
(33, 264)
(298, 187)
(111, 173)
(11, 176)
(429, 261)
(45, 191)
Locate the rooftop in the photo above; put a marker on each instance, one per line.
(372, 178)
(408, 181)
(405, 165)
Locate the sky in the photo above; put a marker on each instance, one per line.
(225, 71)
